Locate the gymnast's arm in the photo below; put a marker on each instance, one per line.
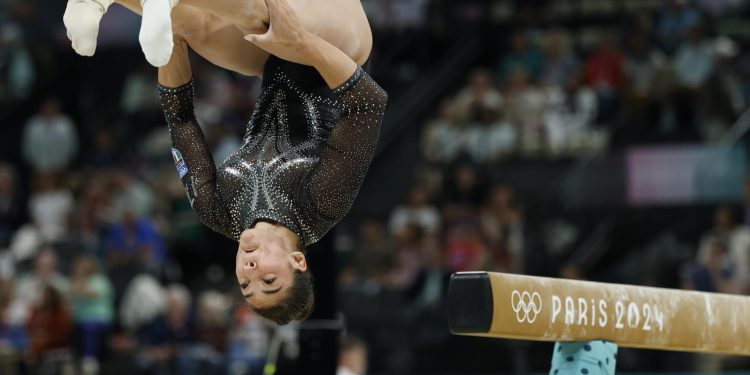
(351, 146)
(190, 152)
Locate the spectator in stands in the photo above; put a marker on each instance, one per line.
(17, 67)
(50, 326)
(478, 96)
(93, 214)
(129, 194)
(12, 212)
(165, 337)
(417, 210)
(443, 138)
(136, 240)
(104, 153)
(429, 289)
(50, 207)
(713, 273)
(352, 357)
(645, 87)
(503, 227)
(374, 251)
(466, 250)
(525, 104)
(490, 138)
(50, 141)
(92, 300)
(212, 324)
(211, 333)
(675, 21)
(559, 60)
(463, 188)
(727, 230)
(723, 97)
(142, 301)
(138, 95)
(30, 287)
(694, 64)
(522, 55)
(13, 337)
(604, 74)
(248, 342)
(570, 114)
(409, 256)
(694, 58)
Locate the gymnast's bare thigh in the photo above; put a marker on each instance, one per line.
(342, 23)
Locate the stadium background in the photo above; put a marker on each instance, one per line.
(595, 139)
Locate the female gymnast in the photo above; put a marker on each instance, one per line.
(306, 151)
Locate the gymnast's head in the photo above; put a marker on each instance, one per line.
(272, 273)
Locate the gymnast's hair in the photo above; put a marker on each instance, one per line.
(299, 302)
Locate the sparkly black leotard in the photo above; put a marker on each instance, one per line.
(305, 153)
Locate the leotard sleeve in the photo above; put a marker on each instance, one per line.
(193, 160)
(344, 162)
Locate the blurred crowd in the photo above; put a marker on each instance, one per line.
(554, 91)
(105, 268)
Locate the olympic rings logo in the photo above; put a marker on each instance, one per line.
(527, 306)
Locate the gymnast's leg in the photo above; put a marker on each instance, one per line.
(250, 16)
(596, 357)
(82, 19)
(214, 38)
(342, 23)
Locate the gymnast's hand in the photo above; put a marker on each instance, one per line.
(177, 71)
(286, 37)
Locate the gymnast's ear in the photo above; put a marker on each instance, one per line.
(299, 262)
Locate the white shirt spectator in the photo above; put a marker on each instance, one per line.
(16, 64)
(427, 217)
(50, 141)
(485, 143)
(694, 63)
(139, 94)
(569, 115)
(443, 140)
(50, 211)
(417, 210)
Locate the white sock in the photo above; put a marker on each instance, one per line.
(156, 31)
(81, 20)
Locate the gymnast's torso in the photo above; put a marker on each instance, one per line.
(305, 152)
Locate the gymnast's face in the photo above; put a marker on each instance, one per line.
(266, 260)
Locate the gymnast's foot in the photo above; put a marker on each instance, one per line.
(81, 20)
(156, 31)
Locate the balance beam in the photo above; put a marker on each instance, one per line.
(545, 309)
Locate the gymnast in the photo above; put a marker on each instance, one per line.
(305, 153)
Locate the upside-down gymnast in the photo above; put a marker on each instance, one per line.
(305, 153)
